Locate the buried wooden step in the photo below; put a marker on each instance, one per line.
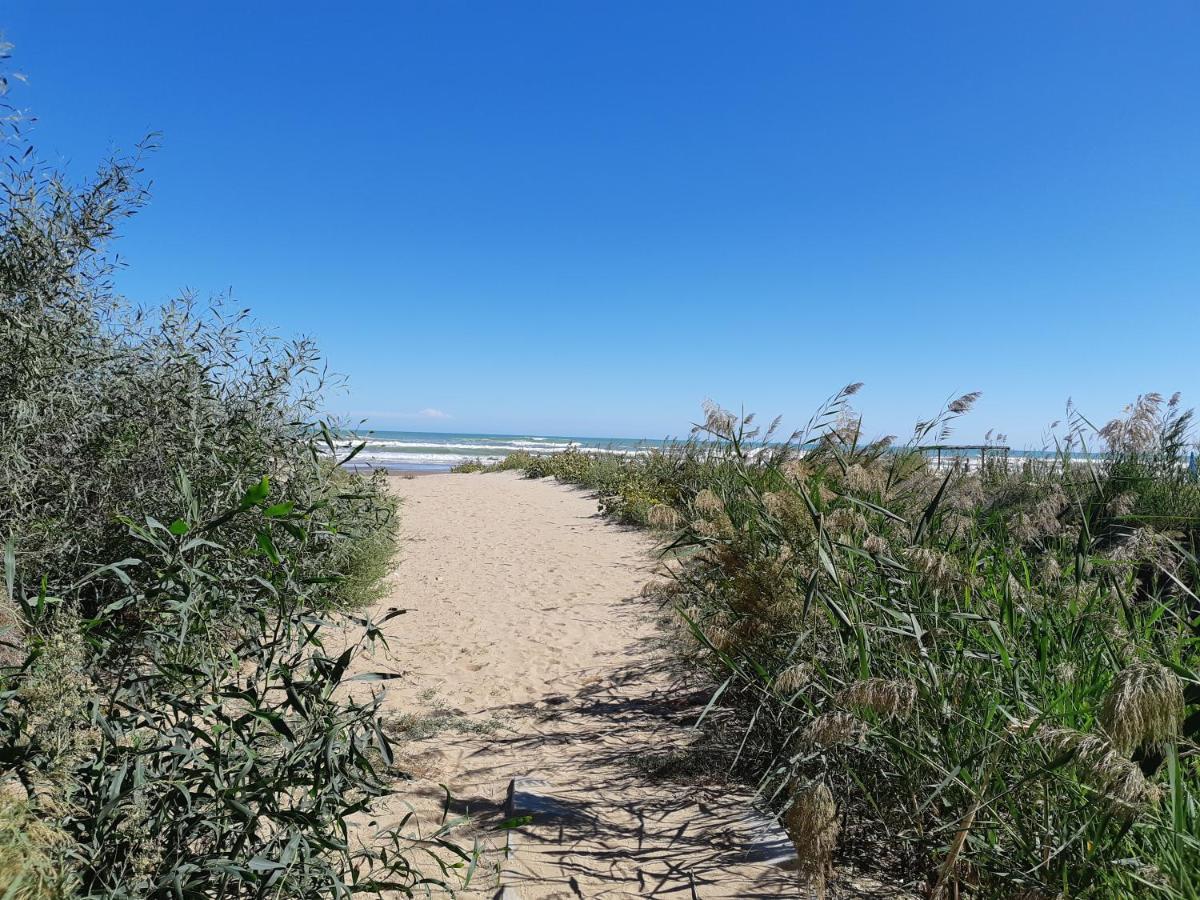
(528, 796)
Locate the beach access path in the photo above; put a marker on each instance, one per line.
(528, 651)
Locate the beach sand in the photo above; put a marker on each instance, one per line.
(527, 643)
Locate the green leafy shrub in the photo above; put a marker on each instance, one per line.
(209, 748)
(179, 541)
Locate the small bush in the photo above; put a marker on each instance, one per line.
(518, 460)
(179, 544)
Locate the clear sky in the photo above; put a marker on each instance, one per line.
(586, 217)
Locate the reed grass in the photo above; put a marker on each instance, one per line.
(989, 675)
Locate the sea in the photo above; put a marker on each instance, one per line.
(430, 451)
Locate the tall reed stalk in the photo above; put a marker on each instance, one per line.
(991, 675)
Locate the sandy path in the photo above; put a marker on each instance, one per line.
(528, 646)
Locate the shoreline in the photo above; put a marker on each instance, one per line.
(419, 453)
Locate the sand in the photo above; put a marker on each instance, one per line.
(528, 647)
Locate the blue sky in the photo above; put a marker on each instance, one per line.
(585, 218)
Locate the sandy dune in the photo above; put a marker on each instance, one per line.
(528, 648)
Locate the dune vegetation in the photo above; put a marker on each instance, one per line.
(178, 544)
(981, 679)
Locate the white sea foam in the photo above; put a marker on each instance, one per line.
(510, 446)
(399, 460)
(397, 450)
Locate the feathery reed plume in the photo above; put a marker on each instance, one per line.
(717, 421)
(1103, 766)
(964, 403)
(663, 516)
(721, 638)
(661, 587)
(965, 494)
(775, 503)
(1137, 431)
(875, 544)
(13, 632)
(939, 568)
(712, 520)
(708, 528)
(795, 468)
(1143, 706)
(1041, 520)
(708, 505)
(811, 821)
(1144, 545)
(1015, 589)
(845, 521)
(845, 430)
(788, 508)
(862, 479)
(941, 422)
(954, 525)
(1066, 672)
(832, 729)
(887, 698)
(880, 445)
(1122, 504)
(793, 678)
(1051, 571)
